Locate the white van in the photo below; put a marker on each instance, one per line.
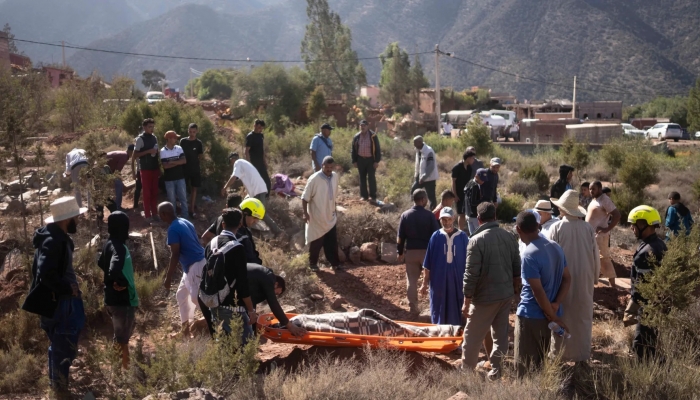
(154, 97)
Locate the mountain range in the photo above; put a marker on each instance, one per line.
(630, 50)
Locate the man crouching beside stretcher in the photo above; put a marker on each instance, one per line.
(264, 285)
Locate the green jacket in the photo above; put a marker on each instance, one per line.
(493, 263)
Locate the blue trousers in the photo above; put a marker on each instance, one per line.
(223, 316)
(178, 189)
(63, 331)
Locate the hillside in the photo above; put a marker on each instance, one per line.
(638, 49)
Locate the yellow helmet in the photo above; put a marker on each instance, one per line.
(646, 213)
(254, 206)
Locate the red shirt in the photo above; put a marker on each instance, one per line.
(116, 160)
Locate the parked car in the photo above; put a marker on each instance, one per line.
(697, 135)
(154, 97)
(685, 135)
(631, 130)
(665, 131)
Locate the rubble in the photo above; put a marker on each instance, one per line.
(14, 206)
(191, 394)
(389, 253)
(368, 252)
(355, 255)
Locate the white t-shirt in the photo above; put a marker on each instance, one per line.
(246, 172)
(447, 128)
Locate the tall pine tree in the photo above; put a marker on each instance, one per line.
(327, 51)
(418, 81)
(694, 108)
(394, 83)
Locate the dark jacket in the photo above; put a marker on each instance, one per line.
(235, 269)
(261, 282)
(243, 235)
(472, 198)
(376, 150)
(559, 186)
(641, 266)
(416, 226)
(112, 260)
(53, 255)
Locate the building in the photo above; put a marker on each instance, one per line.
(603, 111)
(596, 110)
(372, 93)
(57, 75)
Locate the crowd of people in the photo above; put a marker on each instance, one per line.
(471, 266)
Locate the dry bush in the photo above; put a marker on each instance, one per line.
(396, 183)
(622, 236)
(300, 281)
(20, 328)
(611, 335)
(279, 209)
(351, 179)
(20, 371)
(147, 284)
(364, 224)
(599, 172)
(523, 187)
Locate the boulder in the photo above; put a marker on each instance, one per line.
(14, 187)
(341, 255)
(15, 206)
(345, 241)
(29, 195)
(388, 208)
(355, 255)
(289, 309)
(389, 253)
(56, 192)
(316, 296)
(44, 191)
(368, 252)
(338, 302)
(459, 396)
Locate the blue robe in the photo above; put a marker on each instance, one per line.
(446, 259)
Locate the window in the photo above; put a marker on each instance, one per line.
(585, 116)
(612, 115)
(598, 116)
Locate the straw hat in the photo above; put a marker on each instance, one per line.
(544, 206)
(63, 209)
(568, 203)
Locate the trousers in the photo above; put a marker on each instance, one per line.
(187, 294)
(365, 166)
(429, 188)
(63, 331)
(329, 243)
(224, 316)
(177, 191)
(149, 183)
(485, 318)
(532, 340)
(75, 178)
(414, 266)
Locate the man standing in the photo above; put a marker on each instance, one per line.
(416, 226)
(461, 173)
(473, 197)
(645, 221)
(426, 170)
(366, 155)
(321, 147)
(577, 238)
(185, 249)
(546, 281)
(254, 184)
(255, 151)
(193, 149)
(478, 164)
(566, 173)
(146, 150)
(599, 212)
(447, 128)
(121, 298)
(173, 159)
(490, 280)
(318, 201)
(75, 161)
(236, 276)
(116, 160)
(544, 209)
(584, 199)
(489, 190)
(54, 293)
(678, 216)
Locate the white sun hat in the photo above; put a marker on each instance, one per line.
(63, 209)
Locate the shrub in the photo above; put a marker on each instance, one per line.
(20, 328)
(396, 183)
(441, 143)
(363, 224)
(523, 187)
(625, 200)
(638, 171)
(509, 208)
(537, 174)
(477, 134)
(146, 286)
(19, 371)
(293, 143)
(576, 154)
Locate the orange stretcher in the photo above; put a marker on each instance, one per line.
(424, 344)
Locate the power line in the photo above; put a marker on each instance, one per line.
(126, 53)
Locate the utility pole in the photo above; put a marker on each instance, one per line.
(437, 87)
(63, 50)
(190, 82)
(573, 109)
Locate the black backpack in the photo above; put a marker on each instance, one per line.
(215, 287)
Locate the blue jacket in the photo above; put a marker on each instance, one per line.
(676, 215)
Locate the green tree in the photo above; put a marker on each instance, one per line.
(418, 81)
(317, 104)
(693, 107)
(216, 84)
(73, 104)
(576, 154)
(477, 134)
(152, 78)
(11, 45)
(272, 89)
(327, 51)
(394, 82)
